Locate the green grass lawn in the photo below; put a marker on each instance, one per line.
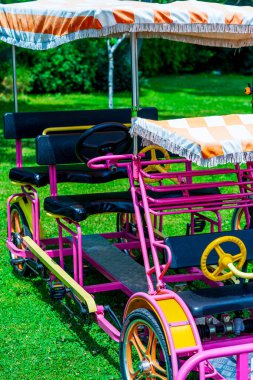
(39, 340)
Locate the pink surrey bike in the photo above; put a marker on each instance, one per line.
(168, 331)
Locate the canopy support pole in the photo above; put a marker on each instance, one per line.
(19, 159)
(135, 84)
(14, 77)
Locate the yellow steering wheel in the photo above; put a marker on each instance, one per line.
(226, 260)
(161, 168)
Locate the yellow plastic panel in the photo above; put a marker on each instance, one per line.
(182, 335)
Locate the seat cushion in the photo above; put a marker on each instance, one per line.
(79, 207)
(39, 176)
(227, 298)
(178, 194)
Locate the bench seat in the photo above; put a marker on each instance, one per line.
(79, 207)
(222, 299)
(178, 194)
(39, 175)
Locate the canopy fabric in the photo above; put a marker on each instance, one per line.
(207, 141)
(45, 24)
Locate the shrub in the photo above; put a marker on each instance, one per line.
(65, 69)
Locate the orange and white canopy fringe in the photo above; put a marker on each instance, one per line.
(44, 24)
(207, 141)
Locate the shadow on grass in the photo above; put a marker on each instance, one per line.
(77, 324)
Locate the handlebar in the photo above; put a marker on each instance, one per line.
(110, 161)
(239, 273)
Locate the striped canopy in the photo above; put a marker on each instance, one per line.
(45, 24)
(207, 141)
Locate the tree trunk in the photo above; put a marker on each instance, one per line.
(110, 77)
(111, 49)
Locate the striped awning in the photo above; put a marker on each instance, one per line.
(45, 24)
(207, 141)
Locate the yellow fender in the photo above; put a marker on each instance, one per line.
(26, 206)
(172, 317)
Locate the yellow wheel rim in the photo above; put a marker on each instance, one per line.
(143, 347)
(161, 168)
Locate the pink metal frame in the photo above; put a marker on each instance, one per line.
(196, 205)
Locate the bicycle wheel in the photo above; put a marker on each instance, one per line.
(238, 221)
(19, 228)
(127, 222)
(143, 348)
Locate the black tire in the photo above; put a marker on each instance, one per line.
(19, 228)
(122, 217)
(142, 326)
(238, 221)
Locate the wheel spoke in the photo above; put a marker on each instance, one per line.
(136, 375)
(219, 251)
(217, 271)
(148, 168)
(161, 371)
(135, 340)
(153, 155)
(161, 169)
(158, 367)
(151, 343)
(17, 223)
(152, 351)
(236, 257)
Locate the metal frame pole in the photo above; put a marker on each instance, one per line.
(19, 158)
(135, 83)
(14, 71)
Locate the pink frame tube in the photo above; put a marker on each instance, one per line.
(157, 207)
(242, 372)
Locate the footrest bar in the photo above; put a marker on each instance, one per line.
(63, 276)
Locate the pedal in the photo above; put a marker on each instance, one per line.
(57, 290)
(17, 261)
(179, 287)
(199, 225)
(36, 267)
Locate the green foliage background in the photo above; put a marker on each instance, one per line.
(82, 65)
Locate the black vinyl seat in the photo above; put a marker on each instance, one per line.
(178, 194)
(79, 207)
(222, 299)
(29, 125)
(39, 175)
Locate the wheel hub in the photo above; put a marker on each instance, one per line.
(16, 239)
(145, 366)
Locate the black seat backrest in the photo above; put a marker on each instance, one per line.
(31, 124)
(56, 149)
(22, 125)
(59, 148)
